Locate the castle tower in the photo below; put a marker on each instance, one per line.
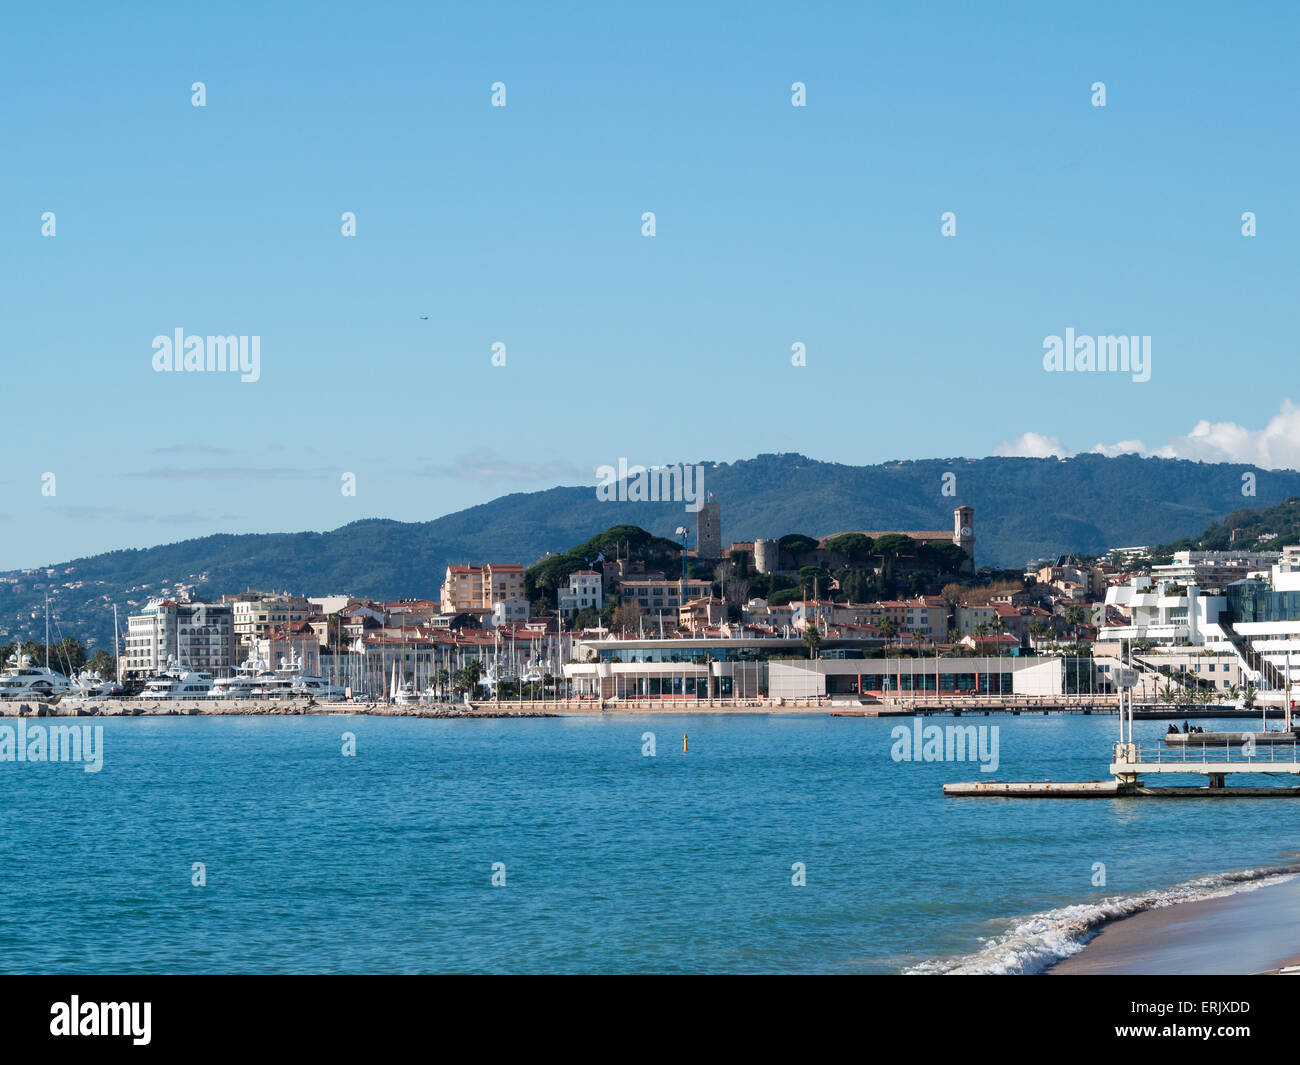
(963, 533)
(767, 555)
(708, 530)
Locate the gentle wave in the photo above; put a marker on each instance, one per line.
(1039, 941)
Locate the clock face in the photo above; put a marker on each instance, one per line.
(965, 530)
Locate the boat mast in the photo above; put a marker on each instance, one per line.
(117, 656)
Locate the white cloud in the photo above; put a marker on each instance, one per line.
(1033, 446)
(1124, 447)
(1274, 447)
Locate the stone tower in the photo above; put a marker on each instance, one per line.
(708, 530)
(963, 533)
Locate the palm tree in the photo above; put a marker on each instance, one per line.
(812, 638)
(998, 626)
(1074, 618)
(888, 629)
(1167, 693)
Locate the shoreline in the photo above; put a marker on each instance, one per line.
(1248, 932)
(1236, 923)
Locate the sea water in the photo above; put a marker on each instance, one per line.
(773, 844)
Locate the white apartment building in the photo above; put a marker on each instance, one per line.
(199, 636)
(584, 591)
(1214, 568)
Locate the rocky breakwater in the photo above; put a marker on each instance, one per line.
(75, 707)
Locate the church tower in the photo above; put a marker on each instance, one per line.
(963, 533)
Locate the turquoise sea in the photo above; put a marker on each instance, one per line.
(613, 861)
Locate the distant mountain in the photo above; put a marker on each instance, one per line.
(1247, 529)
(1024, 508)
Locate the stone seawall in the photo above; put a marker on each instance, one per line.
(244, 708)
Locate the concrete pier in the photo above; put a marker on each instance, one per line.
(1107, 789)
(1042, 789)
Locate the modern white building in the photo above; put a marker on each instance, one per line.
(1214, 568)
(775, 667)
(199, 636)
(1256, 619)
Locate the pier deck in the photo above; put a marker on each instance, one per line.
(1107, 789)
(1132, 760)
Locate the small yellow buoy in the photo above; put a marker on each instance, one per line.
(684, 748)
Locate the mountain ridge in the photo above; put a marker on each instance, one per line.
(1024, 508)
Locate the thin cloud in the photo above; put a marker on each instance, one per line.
(191, 449)
(480, 468)
(227, 473)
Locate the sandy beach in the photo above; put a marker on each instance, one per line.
(1256, 931)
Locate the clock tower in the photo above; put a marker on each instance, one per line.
(963, 533)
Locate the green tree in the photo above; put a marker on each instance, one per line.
(812, 638)
(797, 546)
(895, 544)
(104, 664)
(856, 547)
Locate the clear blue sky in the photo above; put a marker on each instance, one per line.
(523, 225)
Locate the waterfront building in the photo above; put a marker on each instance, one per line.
(199, 636)
(257, 613)
(690, 669)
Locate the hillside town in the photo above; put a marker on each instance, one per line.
(624, 624)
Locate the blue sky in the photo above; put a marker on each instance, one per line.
(522, 225)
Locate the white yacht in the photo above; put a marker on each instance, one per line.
(91, 685)
(177, 683)
(23, 680)
(304, 684)
(253, 679)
